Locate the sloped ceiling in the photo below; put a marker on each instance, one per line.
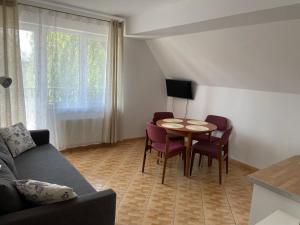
(237, 44)
(261, 57)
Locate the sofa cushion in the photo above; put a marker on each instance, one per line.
(17, 138)
(6, 156)
(46, 163)
(10, 200)
(40, 137)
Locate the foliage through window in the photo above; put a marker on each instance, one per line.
(68, 69)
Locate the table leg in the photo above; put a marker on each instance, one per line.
(188, 155)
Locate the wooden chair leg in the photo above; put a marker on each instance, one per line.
(227, 164)
(164, 170)
(200, 159)
(220, 171)
(192, 163)
(158, 156)
(144, 160)
(184, 162)
(226, 151)
(209, 161)
(226, 147)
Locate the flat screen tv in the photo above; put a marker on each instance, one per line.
(179, 88)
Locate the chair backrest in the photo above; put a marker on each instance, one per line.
(162, 115)
(226, 135)
(219, 121)
(156, 134)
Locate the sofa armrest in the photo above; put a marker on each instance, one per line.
(90, 209)
(40, 137)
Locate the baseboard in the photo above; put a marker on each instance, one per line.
(244, 165)
(103, 144)
(84, 147)
(134, 139)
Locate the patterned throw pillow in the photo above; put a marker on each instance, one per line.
(42, 193)
(6, 156)
(17, 138)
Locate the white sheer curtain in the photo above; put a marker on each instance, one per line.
(64, 59)
(12, 109)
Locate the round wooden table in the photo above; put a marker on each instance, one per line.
(186, 128)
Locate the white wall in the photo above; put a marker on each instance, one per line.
(265, 124)
(143, 88)
(262, 57)
(259, 67)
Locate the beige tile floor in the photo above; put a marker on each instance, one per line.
(143, 200)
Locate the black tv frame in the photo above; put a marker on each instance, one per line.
(179, 88)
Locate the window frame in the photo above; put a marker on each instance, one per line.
(41, 63)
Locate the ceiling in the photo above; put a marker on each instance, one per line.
(187, 16)
(158, 18)
(123, 8)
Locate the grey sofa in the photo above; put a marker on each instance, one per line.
(45, 163)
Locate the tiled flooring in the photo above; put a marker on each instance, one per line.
(143, 200)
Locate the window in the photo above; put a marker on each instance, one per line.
(68, 89)
(64, 68)
(76, 64)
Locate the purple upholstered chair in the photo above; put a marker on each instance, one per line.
(214, 150)
(165, 115)
(221, 123)
(161, 115)
(158, 139)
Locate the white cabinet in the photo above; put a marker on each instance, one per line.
(279, 218)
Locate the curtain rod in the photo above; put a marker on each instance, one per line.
(33, 4)
(61, 11)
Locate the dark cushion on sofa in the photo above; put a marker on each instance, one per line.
(6, 156)
(45, 163)
(40, 137)
(10, 200)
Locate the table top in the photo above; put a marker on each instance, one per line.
(186, 125)
(282, 178)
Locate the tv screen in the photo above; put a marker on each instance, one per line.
(179, 88)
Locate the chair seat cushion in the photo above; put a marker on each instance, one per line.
(205, 137)
(205, 148)
(173, 147)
